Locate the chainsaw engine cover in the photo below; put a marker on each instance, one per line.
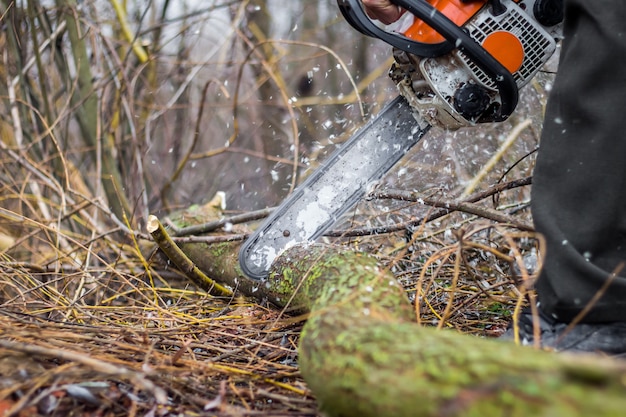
(451, 90)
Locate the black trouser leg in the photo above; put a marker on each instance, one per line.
(579, 184)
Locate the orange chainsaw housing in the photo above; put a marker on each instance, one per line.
(504, 46)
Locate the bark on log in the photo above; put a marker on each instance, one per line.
(362, 354)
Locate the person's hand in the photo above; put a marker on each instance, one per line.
(382, 10)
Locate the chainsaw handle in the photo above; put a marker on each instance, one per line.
(455, 37)
(354, 14)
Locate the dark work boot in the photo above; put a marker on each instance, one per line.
(608, 338)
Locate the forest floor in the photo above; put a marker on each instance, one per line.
(134, 338)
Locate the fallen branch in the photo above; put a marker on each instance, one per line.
(186, 265)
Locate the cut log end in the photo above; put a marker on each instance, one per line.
(152, 224)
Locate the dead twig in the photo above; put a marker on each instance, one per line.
(216, 224)
(452, 205)
(434, 214)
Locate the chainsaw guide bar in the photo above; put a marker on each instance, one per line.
(334, 187)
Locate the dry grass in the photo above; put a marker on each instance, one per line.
(142, 349)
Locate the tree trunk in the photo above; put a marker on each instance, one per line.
(362, 354)
(85, 100)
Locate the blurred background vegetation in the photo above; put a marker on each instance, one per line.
(113, 109)
(150, 104)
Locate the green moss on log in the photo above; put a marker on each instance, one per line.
(362, 355)
(325, 276)
(358, 366)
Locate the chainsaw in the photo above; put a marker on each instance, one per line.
(456, 63)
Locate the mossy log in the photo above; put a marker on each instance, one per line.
(362, 354)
